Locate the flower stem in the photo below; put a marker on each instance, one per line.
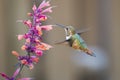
(21, 67)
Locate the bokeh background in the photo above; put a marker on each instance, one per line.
(63, 62)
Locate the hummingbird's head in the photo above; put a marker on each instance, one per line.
(69, 30)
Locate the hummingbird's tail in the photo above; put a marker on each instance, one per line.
(89, 52)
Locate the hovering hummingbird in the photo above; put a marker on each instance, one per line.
(74, 39)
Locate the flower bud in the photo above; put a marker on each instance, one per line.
(20, 37)
(38, 52)
(24, 47)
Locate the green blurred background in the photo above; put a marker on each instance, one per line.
(62, 62)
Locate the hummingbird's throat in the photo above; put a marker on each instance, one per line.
(68, 34)
(68, 37)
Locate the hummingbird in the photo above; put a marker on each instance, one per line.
(74, 39)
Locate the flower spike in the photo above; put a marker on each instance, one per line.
(34, 45)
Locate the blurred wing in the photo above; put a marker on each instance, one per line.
(62, 42)
(82, 31)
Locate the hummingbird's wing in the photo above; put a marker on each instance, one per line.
(63, 42)
(82, 31)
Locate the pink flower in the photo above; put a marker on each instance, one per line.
(24, 47)
(26, 35)
(29, 14)
(24, 61)
(44, 4)
(49, 9)
(31, 66)
(35, 59)
(28, 40)
(37, 40)
(16, 72)
(41, 18)
(28, 23)
(33, 45)
(15, 53)
(5, 76)
(25, 79)
(34, 7)
(46, 27)
(43, 46)
(46, 45)
(20, 37)
(38, 28)
(39, 52)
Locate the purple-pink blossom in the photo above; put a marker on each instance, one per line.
(34, 45)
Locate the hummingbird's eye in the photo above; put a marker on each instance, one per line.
(67, 29)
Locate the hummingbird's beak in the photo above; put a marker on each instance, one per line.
(61, 25)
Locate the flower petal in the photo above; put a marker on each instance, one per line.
(39, 52)
(15, 53)
(34, 7)
(16, 73)
(24, 62)
(24, 47)
(49, 9)
(43, 18)
(36, 60)
(44, 4)
(39, 30)
(31, 66)
(46, 45)
(28, 23)
(26, 79)
(28, 40)
(20, 37)
(47, 27)
(4, 76)
(43, 46)
(29, 14)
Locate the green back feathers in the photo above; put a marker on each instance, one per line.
(79, 41)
